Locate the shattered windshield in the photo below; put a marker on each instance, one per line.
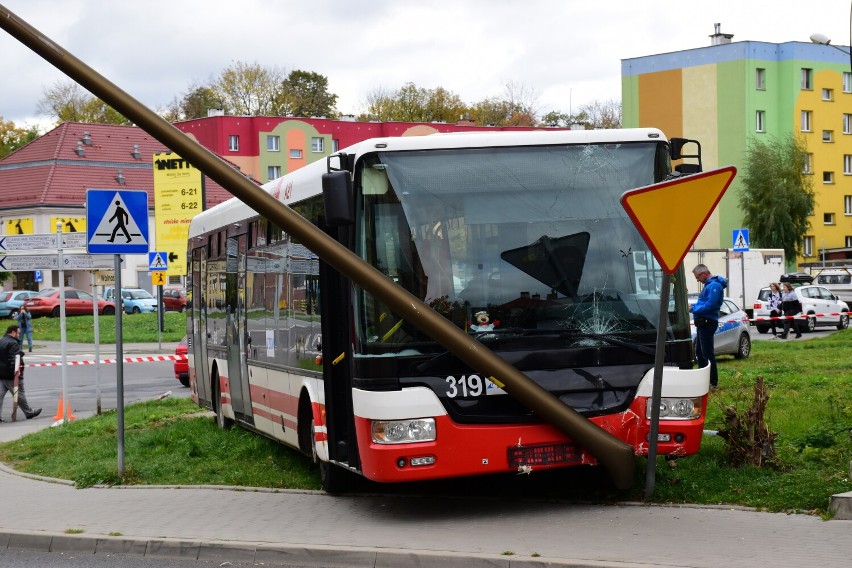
(523, 241)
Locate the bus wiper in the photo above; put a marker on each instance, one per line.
(612, 340)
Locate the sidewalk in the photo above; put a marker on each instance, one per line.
(308, 528)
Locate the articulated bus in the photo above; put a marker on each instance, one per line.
(517, 238)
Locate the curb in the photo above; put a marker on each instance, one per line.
(296, 556)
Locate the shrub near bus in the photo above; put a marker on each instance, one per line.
(517, 238)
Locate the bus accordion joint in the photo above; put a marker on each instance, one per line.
(338, 359)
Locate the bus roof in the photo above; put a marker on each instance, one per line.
(304, 182)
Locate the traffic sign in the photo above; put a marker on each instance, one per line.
(157, 261)
(158, 278)
(740, 240)
(670, 215)
(25, 263)
(42, 241)
(116, 221)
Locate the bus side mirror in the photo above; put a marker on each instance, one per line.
(337, 198)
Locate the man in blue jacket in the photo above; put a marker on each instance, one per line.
(705, 314)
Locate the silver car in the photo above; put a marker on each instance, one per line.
(733, 336)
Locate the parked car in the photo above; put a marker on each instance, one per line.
(11, 301)
(733, 336)
(174, 300)
(181, 363)
(134, 300)
(77, 303)
(838, 281)
(815, 300)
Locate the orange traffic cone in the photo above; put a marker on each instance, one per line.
(60, 412)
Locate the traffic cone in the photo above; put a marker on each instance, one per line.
(60, 412)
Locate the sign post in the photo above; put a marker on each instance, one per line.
(158, 263)
(669, 238)
(123, 215)
(741, 244)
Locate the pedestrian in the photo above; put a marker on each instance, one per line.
(790, 306)
(25, 321)
(10, 348)
(705, 314)
(774, 304)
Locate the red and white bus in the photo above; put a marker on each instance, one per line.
(518, 238)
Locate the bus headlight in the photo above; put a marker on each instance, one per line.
(403, 431)
(677, 408)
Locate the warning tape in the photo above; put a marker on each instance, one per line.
(142, 359)
(800, 316)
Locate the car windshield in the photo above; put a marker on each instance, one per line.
(140, 295)
(46, 293)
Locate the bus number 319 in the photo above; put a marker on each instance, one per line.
(466, 386)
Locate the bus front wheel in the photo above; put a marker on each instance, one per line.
(222, 421)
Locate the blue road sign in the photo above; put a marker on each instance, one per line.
(37, 276)
(116, 221)
(158, 261)
(740, 240)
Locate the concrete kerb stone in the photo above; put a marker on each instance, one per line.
(173, 548)
(74, 543)
(121, 545)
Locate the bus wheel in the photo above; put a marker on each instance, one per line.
(307, 429)
(334, 478)
(222, 421)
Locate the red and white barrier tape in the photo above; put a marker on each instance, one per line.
(142, 359)
(799, 316)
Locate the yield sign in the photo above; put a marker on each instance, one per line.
(670, 215)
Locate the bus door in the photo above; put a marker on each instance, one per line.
(235, 327)
(198, 313)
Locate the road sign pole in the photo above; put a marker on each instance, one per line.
(119, 366)
(64, 402)
(657, 389)
(97, 346)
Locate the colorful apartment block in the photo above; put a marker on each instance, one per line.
(730, 92)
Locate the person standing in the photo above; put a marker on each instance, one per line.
(25, 321)
(10, 348)
(774, 304)
(705, 314)
(791, 306)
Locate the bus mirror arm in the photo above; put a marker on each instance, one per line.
(614, 454)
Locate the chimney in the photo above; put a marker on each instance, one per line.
(87, 138)
(718, 38)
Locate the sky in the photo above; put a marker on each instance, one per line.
(568, 52)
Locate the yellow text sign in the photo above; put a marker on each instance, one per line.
(22, 226)
(69, 224)
(670, 215)
(158, 278)
(177, 199)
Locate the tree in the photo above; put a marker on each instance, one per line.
(251, 90)
(69, 102)
(491, 112)
(13, 137)
(777, 197)
(414, 104)
(601, 114)
(196, 101)
(306, 94)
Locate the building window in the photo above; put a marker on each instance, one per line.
(234, 143)
(828, 94)
(847, 204)
(273, 172)
(828, 218)
(335, 145)
(273, 143)
(847, 123)
(847, 164)
(806, 120)
(807, 167)
(808, 246)
(827, 177)
(317, 144)
(295, 153)
(760, 121)
(847, 82)
(760, 79)
(848, 241)
(828, 135)
(807, 79)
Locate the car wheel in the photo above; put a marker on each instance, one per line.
(844, 321)
(810, 325)
(13, 314)
(762, 328)
(184, 381)
(109, 311)
(55, 312)
(181, 309)
(136, 310)
(744, 347)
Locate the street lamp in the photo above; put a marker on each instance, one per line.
(823, 39)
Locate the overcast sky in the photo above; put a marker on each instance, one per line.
(569, 51)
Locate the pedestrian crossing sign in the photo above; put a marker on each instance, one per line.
(158, 261)
(740, 240)
(116, 221)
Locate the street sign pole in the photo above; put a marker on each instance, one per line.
(63, 401)
(97, 347)
(119, 370)
(657, 389)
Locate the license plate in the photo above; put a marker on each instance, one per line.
(546, 454)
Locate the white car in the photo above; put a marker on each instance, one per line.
(824, 307)
(733, 336)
